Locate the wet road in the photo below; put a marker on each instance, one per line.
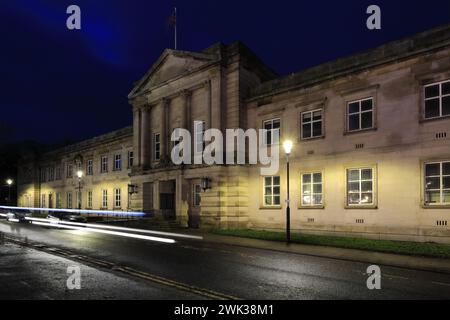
(240, 272)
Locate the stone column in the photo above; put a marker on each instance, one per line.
(137, 136)
(145, 136)
(186, 115)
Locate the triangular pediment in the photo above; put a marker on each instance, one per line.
(170, 65)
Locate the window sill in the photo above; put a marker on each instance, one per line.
(349, 133)
(270, 208)
(437, 206)
(359, 207)
(425, 120)
(311, 139)
(311, 207)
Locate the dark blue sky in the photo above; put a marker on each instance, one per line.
(58, 84)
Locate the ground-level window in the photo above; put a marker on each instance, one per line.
(272, 191)
(156, 147)
(89, 199)
(43, 201)
(312, 193)
(104, 199)
(311, 124)
(69, 200)
(360, 186)
(196, 195)
(360, 115)
(117, 198)
(437, 183)
(271, 127)
(437, 100)
(58, 200)
(79, 199)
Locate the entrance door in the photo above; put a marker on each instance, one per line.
(167, 199)
(50, 200)
(195, 204)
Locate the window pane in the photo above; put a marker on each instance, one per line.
(276, 181)
(446, 106)
(366, 105)
(353, 122)
(366, 198)
(432, 91)
(276, 124)
(306, 117)
(317, 199)
(432, 197)
(446, 168)
(366, 120)
(306, 178)
(432, 108)
(446, 197)
(353, 187)
(317, 129)
(446, 88)
(276, 191)
(366, 174)
(317, 177)
(432, 169)
(268, 181)
(276, 200)
(446, 183)
(353, 198)
(317, 115)
(306, 131)
(268, 191)
(353, 175)
(268, 201)
(317, 188)
(366, 186)
(353, 107)
(433, 183)
(306, 189)
(268, 137)
(307, 200)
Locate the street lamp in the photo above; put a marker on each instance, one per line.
(287, 145)
(79, 175)
(9, 182)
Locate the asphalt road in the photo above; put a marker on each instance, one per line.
(240, 272)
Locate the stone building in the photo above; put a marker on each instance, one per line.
(371, 136)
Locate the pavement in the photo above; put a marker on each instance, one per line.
(218, 268)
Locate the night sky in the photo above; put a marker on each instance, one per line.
(58, 84)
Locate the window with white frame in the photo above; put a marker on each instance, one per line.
(272, 191)
(312, 122)
(156, 147)
(270, 128)
(312, 189)
(360, 186)
(104, 164)
(437, 100)
(360, 115)
(117, 162)
(196, 195)
(130, 158)
(90, 167)
(69, 171)
(104, 199)
(117, 198)
(58, 173)
(437, 183)
(69, 200)
(89, 199)
(58, 200)
(43, 201)
(199, 136)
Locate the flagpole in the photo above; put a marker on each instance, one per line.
(176, 28)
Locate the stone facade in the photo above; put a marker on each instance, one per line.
(364, 126)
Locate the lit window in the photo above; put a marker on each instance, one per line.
(311, 124)
(89, 199)
(360, 183)
(437, 100)
(271, 127)
(437, 183)
(117, 162)
(156, 146)
(58, 200)
(104, 164)
(360, 115)
(117, 198)
(312, 193)
(197, 188)
(272, 191)
(104, 199)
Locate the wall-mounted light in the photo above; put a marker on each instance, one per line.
(206, 183)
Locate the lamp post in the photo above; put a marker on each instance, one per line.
(9, 182)
(287, 145)
(79, 175)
